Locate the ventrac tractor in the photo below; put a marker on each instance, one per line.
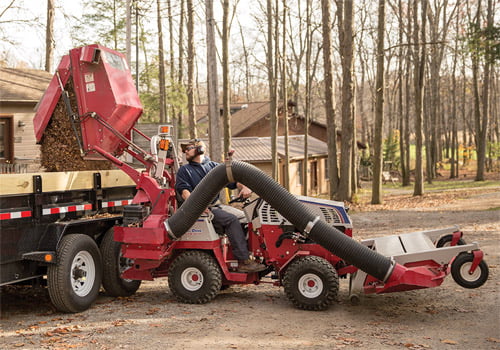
(306, 243)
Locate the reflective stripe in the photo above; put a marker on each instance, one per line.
(15, 215)
(118, 203)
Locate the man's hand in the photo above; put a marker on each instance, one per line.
(245, 192)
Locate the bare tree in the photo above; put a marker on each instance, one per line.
(329, 99)
(213, 104)
(271, 74)
(190, 60)
(161, 59)
(346, 19)
(379, 108)
(419, 35)
(49, 36)
(284, 87)
(481, 118)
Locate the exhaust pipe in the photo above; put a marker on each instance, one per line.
(286, 204)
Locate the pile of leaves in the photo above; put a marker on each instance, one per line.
(59, 146)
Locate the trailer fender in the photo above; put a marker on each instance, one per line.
(91, 227)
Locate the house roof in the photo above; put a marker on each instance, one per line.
(258, 149)
(245, 118)
(202, 109)
(22, 85)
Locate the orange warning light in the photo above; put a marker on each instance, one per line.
(164, 143)
(164, 129)
(48, 257)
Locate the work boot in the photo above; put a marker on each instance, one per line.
(250, 266)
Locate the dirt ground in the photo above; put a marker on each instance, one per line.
(261, 317)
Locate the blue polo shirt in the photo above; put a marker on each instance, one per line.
(189, 175)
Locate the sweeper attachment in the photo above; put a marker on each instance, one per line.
(305, 243)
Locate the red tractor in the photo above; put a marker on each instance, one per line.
(305, 242)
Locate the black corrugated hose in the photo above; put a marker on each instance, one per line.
(287, 205)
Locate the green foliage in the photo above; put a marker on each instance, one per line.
(177, 97)
(391, 149)
(151, 105)
(104, 22)
(494, 150)
(484, 42)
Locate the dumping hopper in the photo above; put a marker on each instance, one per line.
(107, 100)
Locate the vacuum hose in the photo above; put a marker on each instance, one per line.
(287, 205)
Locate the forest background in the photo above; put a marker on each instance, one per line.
(414, 80)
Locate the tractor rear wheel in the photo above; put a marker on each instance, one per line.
(460, 268)
(195, 277)
(75, 279)
(311, 283)
(113, 266)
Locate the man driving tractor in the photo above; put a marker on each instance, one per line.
(189, 176)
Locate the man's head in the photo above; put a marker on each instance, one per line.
(193, 148)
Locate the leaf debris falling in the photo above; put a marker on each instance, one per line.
(59, 146)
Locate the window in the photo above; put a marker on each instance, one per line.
(299, 174)
(6, 139)
(327, 176)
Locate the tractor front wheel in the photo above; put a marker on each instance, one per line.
(460, 271)
(311, 283)
(195, 277)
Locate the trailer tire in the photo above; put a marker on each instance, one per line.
(195, 277)
(113, 266)
(445, 241)
(311, 283)
(460, 271)
(75, 279)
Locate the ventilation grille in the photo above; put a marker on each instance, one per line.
(330, 215)
(269, 215)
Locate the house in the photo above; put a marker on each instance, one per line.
(20, 91)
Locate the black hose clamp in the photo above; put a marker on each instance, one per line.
(310, 226)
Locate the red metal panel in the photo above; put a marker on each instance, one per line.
(50, 98)
(104, 87)
(139, 235)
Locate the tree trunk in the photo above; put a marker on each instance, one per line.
(225, 78)
(284, 87)
(347, 53)
(193, 133)
(180, 124)
(161, 66)
(329, 99)
(307, 114)
(172, 62)
(49, 36)
(213, 105)
(379, 108)
(419, 80)
(482, 121)
(273, 112)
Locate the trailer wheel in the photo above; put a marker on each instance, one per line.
(460, 271)
(195, 277)
(311, 283)
(75, 279)
(113, 266)
(445, 241)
